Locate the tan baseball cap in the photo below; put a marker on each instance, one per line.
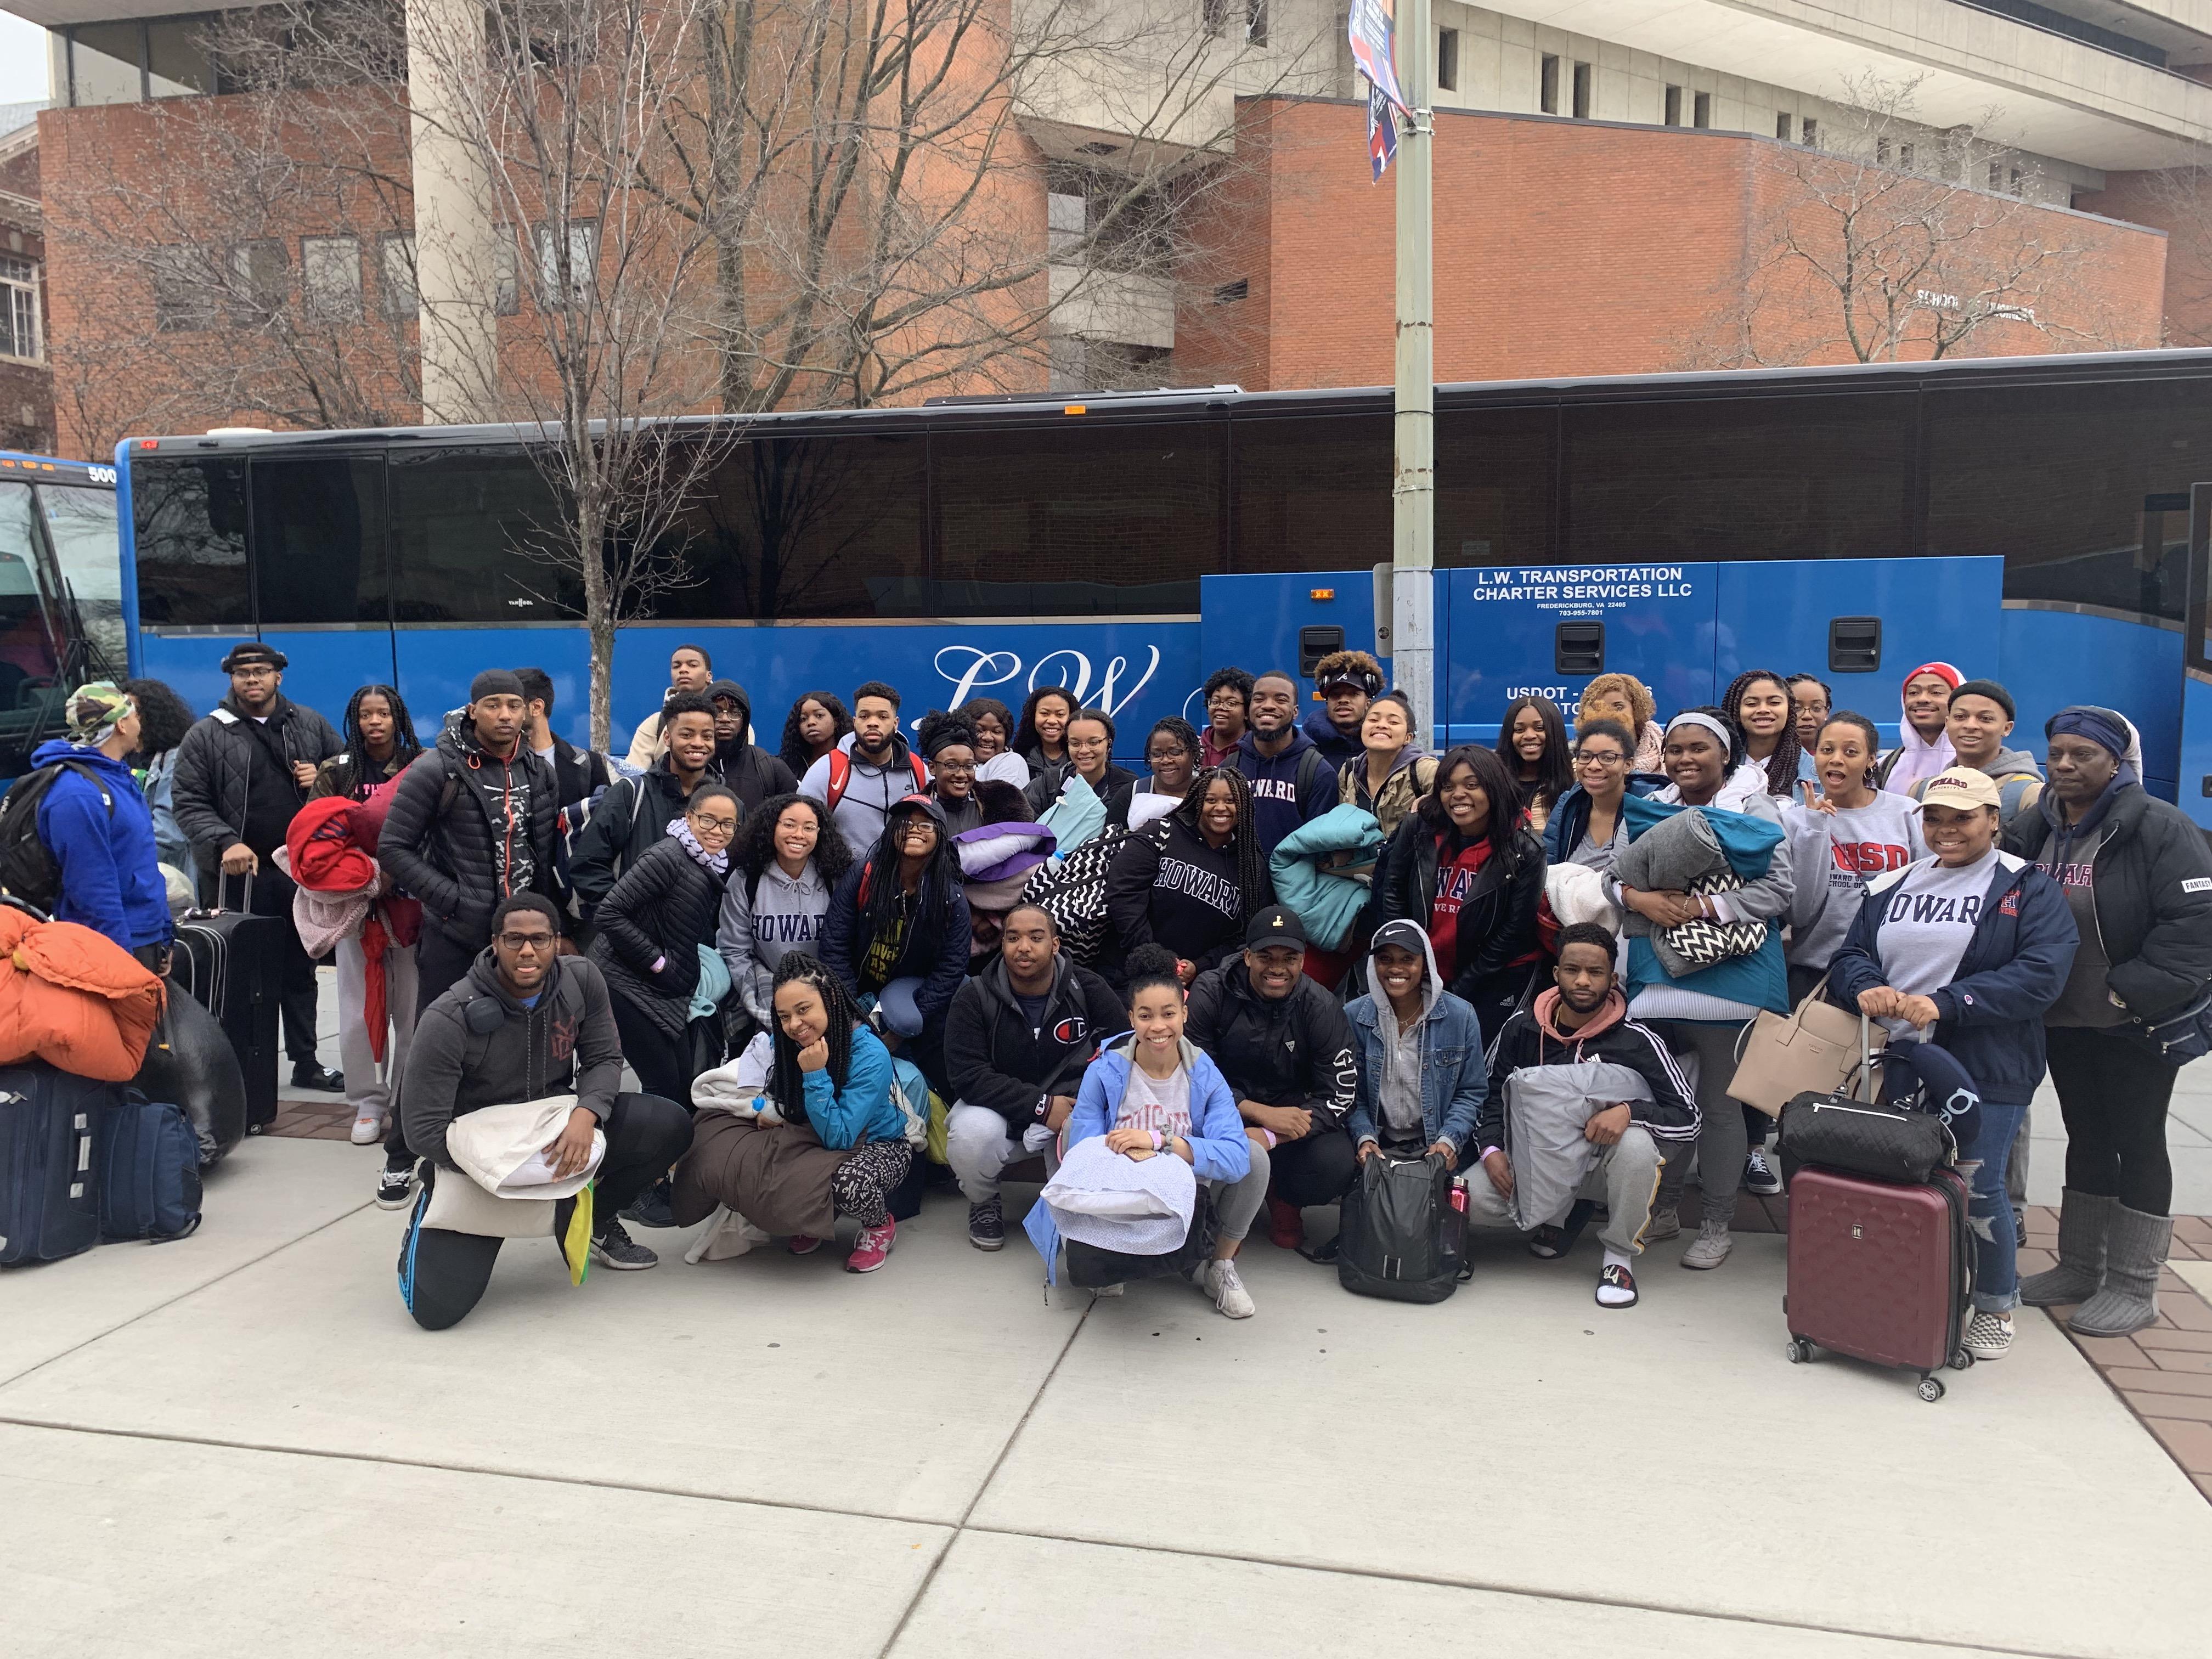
(1961, 787)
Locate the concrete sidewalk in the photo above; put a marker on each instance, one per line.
(239, 1444)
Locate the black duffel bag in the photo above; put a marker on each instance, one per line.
(191, 1061)
(1400, 1237)
(1865, 1138)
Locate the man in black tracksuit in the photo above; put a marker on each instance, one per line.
(526, 1023)
(1017, 1038)
(242, 772)
(1285, 1050)
(473, 823)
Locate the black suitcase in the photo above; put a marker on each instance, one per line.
(48, 1179)
(233, 963)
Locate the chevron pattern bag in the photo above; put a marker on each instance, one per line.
(1686, 948)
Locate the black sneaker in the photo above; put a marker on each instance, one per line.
(1759, 1174)
(309, 1075)
(655, 1207)
(986, 1226)
(613, 1248)
(395, 1185)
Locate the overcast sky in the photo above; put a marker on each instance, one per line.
(22, 60)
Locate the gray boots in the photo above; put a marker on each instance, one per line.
(2135, 1245)
(2083, 1218)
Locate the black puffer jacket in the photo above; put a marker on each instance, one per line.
(663, 908)
(631, 817)
(441, 842)
(1496, 922)
(1296, 1051)
(233, 778)
(2152, 893)
(998, 1061)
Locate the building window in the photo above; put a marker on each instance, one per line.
(1701, 110)
(1582, 76)
(1881, 152)
(1809, 133)
(583, 257)
(1229, 17)
(2013, 183)
(258, 282)
(184, 292)
(19, 310)
(1230, 293)
(395, 275)
(1996, 171)
(1547, 85)
(1448, 59)
(106, 63)
(330, 278)
(1905, 157)
(1781, 124)
(1670, 113)
(179, 63)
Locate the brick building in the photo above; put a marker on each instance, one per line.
(1606, 201)
(27, 396)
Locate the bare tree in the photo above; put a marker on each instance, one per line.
(1892, 239)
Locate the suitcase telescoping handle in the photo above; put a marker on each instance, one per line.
(25, 905)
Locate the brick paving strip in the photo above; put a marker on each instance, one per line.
(2164, 1374)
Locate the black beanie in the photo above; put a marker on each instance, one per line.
(493, 683)
(1989, 689)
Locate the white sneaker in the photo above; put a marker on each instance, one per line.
(1709, 1247)
(1989, 1336)
(368, 1129)
(1231, 1300)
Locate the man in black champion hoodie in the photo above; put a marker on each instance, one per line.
(524, 1024)
(1017, 1038)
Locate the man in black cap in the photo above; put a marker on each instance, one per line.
(242, 773)
(472, 823)
(1284, 1048)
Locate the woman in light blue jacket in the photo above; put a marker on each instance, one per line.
(1152, 1092)
(1422, 1079)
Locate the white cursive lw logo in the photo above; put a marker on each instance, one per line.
(971, 669)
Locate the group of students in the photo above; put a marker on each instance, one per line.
(1297, 944)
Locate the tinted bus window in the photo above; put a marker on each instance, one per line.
(1493, 485)
(799, 528)
(1809, 478)
(2058, 479)
(189, 526)
(80, 524)
(1075, 520)
(1313, 493)
(319, 541)
(30, 673)
(478, 537)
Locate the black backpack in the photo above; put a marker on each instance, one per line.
(28, 868)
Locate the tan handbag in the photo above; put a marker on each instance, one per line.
(1813, 1050)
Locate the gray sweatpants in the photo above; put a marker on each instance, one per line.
(1236, 1203)
(1722, 1144)
(1626, 1177)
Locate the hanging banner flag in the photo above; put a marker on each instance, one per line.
(1371, 24)
(1381, 131)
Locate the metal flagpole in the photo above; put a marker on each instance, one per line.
(1413, 484)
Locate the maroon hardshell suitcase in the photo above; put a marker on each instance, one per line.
(1880, 1271)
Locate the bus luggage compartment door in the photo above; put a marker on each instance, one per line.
(1550, 629)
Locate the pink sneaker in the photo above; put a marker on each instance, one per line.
(803, 1244)
(871, 1248)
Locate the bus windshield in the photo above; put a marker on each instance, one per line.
(30, 657)
(81, 522)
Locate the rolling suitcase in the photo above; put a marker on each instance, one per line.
(233, 965)
(1880, 1271)
(149, 1160)
(49, 1178)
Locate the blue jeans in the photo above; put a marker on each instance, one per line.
(1989, 1208)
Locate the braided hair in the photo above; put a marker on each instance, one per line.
(406, 745)
(787, 1082)
(1255, 889)
(799, 754)
(1782, 764)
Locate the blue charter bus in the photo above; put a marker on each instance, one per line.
(61, 595)
(2043, 521)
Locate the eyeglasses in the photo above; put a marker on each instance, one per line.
(719, 826)
(1597, 757)
(528, 941)
(956, 766)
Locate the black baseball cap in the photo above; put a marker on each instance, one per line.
(1276, 925)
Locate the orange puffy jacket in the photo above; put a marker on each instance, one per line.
(75, 998)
